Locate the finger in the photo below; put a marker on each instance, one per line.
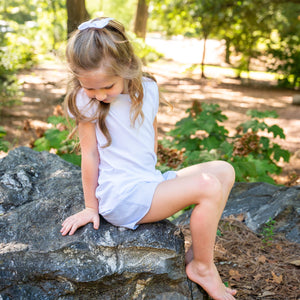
(65, 224)
(65, 230)
(73, 229)
(67, 227)
(66, 221)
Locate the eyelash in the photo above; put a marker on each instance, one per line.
(106, 88)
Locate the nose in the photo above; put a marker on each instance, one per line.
(100, 95)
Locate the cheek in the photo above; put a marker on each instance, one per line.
(112, 92)
(118, 89)
(90, 94)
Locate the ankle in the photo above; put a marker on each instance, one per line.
(202, 268)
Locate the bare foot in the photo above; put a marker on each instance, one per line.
(209, 280)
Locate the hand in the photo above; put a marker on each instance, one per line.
(72, 223)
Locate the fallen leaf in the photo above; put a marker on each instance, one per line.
(273, 262)
(58, 110)
(267, 293)
(262, 259)
(277, 279)
(235, 275)
(295, 262)
(26, 125)
(240, 217)
(257, 277)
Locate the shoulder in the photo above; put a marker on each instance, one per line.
(82, 99)
(150, 87)
(85, 105)
(149, 83)
(151, 95)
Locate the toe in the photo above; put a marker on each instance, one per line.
(230, 291)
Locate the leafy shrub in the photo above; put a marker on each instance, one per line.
(9, 85)
(16, 53)
(55, 140)
(268, 232)
(195, 139)
(4, 145)
(145, 52)
(253, 156)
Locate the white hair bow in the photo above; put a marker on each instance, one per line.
(95, 24)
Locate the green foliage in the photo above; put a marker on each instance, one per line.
(12, 59)
(4, 145)
(268, 232)
(37, 24)
(207, 119)
(56, 140)
(204, 138)
(122, 10)
(27, 29)
(145, 52)
(250, 28)
(284, 46)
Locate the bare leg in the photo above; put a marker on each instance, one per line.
(189, 255)
(206, 185)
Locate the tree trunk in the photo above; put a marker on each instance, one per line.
(53, 5)
(140, 24)
(227, 51)
(77, 14)
(203, 57)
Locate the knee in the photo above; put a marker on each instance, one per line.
(209, 187)
(226, 173)
(230, 173)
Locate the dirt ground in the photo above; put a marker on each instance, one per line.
(258, 270)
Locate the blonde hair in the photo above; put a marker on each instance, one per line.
(110, 49)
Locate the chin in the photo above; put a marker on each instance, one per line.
(106, 101)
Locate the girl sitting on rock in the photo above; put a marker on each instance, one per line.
(115, 108)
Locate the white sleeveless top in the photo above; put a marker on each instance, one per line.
(127, 175)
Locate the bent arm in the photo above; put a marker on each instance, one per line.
(89, 163)
(89, 170)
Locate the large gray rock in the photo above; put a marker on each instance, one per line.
(37, 192)
(258, 203)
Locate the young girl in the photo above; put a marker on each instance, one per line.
(115, 108)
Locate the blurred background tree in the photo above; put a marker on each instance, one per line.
(141, 18)
(77, 14)
(263, 29)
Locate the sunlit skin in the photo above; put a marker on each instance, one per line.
(207, 185)
(97, 85)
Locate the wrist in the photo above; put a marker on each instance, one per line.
(91, 208)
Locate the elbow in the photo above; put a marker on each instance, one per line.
(91, 156)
